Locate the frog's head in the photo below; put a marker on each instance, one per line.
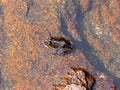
(52, 43)
(47, 42)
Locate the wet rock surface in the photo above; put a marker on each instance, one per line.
(92, 27)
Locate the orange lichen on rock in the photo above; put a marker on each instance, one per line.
(114, 5)
(108, 19)
(96, 43)
(116, 36)
(95, 16)
(84, 4)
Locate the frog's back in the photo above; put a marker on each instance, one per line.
(61, 39)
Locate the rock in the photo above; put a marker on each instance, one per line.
(91, 25)
(79, 79)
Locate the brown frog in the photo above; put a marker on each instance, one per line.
(61, 44)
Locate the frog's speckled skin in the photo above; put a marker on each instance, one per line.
(61, 44)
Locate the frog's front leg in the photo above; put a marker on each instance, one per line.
(60, 51)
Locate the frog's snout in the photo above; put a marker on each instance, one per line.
(47, 42)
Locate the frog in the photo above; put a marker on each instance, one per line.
(61, 44)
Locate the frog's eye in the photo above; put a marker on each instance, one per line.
(46, 42)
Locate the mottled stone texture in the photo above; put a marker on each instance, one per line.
(93, 26)
(77, 79)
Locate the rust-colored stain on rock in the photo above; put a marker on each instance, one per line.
(91, 26)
